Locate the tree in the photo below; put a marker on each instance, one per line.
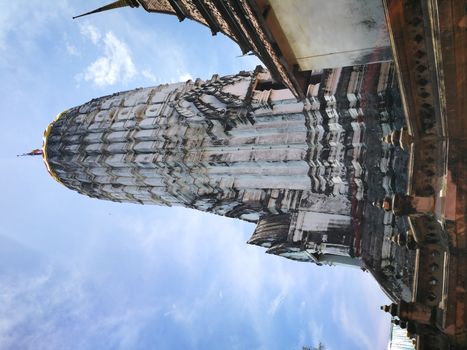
(320, 346)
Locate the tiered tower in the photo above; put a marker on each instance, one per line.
(243, 146)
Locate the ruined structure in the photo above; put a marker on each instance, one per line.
(242, 146)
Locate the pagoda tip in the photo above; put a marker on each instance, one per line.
(34, 152)
(111, 6)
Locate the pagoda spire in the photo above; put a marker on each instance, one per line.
(34, 152)
(111, 6)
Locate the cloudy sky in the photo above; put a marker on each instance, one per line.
(79, 273)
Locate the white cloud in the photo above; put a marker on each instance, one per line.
(185, 77)
(209, 247)
(90, 32)
(348, 321)
(116, 65)
(276, 303)
(149, 75)
(27, 21)
(71, 49)
(178, 263)
(57, 310)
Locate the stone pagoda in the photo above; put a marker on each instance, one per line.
(307, 172)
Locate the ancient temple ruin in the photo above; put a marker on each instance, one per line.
(307, 172)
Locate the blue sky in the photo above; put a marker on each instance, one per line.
(79, 273)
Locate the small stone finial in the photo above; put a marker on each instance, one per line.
(387, 204)
(386, 308)
(391, 309)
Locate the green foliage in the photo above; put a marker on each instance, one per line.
(320, 346)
